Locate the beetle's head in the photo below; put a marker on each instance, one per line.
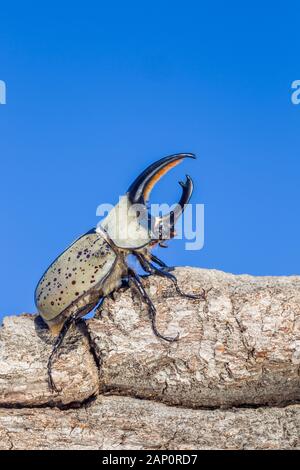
(130, 225)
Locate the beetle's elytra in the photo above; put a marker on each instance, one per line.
(96, 263)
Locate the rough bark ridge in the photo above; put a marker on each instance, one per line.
(231, 381)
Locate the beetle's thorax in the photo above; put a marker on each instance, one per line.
(127, 225)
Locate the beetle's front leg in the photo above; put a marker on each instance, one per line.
(163, 266)
(151, 269)
(151, 308)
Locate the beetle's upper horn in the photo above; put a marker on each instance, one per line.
(140, 189)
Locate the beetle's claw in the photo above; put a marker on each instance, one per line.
(168, 268)
(169, 338)
(166, 338)
(52, 385)
(202, 296)
(194, 296)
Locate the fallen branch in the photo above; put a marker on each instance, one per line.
(240, 347)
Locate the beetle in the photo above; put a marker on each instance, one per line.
(95, 264)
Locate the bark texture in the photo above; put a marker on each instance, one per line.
(230, 381)
(113, 422)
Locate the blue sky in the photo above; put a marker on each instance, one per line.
(98, 90)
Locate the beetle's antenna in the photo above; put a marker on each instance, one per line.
(151, 309)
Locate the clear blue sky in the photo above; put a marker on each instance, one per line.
(98, 90)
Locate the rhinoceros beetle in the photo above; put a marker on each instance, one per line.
(95, 264)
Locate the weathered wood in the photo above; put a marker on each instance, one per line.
(25, 345)
(128, 423)
(241, 346)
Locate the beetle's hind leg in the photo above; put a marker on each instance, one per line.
(151, 308)
(66, 326)
(72, 319)
(151, 269)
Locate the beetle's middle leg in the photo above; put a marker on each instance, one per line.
(151, 269)
(151, 308)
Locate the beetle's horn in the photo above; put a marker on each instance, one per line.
(187, 190)
(140, 189)
(138, 193)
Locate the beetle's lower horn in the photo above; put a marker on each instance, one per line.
(140, 189)
(165, 225)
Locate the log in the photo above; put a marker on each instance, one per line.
(25, 345)
(113, 422)
(241, 346)
(230, 381)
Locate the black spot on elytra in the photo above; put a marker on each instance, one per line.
(52, 303)
(73, 282)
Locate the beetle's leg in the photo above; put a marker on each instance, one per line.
(66, 326)
(160, 263)
(125, 284)
(151, 269)
(151, 309)
(98, 309)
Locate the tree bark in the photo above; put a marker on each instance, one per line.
(113, 422)
(230, 381)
